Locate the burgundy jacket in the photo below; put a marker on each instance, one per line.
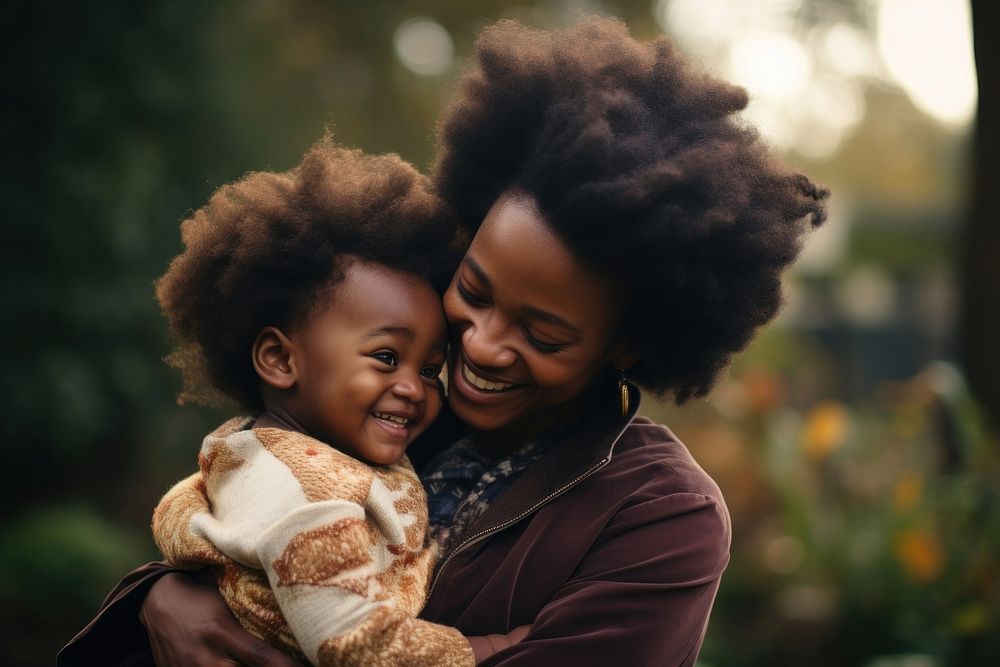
(611, 546)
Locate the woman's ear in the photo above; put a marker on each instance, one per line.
(622, 357)
(272, 358)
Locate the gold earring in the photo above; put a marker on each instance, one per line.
(623, 392)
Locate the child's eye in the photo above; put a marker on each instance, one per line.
(430, 372)
(387, 357)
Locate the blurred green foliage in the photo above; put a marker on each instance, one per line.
(865, 527)
(56, 562)
(861, 531)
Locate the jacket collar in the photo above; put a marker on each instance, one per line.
(587, 447)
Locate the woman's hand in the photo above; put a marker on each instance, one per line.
(483, 646)
(189, 623)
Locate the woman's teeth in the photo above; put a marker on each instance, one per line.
(392, 418)
(481, 383)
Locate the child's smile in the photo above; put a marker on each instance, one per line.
(366, 363)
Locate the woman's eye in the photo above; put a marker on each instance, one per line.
(469, 297)
(542, 346)
(387, 357)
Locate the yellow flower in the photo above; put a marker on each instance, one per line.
(764, 390)
(971, 620)
(825, 429)
(921, 554)
(907, 491)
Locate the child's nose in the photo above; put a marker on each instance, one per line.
(410, 386)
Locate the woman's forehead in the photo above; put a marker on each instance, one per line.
(526, 263)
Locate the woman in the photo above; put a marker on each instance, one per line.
(627, 227)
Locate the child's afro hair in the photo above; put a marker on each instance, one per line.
(266, 248)
(638, 161)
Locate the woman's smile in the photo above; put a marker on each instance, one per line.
(483, 383)
(532, 327)
(479, 387)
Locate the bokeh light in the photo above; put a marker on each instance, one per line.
(424, 46)
(806, 71)
(771, 64)
(927, 46)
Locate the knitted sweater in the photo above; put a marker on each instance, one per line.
(314, 551)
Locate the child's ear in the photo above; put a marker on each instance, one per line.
(272, 358)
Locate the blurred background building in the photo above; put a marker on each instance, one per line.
(862, 472)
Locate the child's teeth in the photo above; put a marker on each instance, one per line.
(483, 383)
(392, 418)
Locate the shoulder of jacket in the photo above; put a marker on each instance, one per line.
(655, 460)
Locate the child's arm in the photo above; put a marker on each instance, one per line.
(171, 526)
(324, 563)
(346, 583)
(179, 523)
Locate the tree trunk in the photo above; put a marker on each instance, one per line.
(980, 264)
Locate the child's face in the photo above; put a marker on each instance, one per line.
(367, 362)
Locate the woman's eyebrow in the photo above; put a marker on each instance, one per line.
(477, 269)
(553, 318)
(531, 311)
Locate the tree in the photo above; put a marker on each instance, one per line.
(980, 262)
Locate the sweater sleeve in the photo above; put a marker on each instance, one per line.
(171, 525)
(344, 574)
(328, 567)
(643, 593)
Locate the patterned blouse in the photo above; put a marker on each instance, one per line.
(464, 481)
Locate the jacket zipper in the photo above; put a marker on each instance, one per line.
(469, 541)
(509, 522)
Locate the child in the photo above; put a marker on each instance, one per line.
(313, 299)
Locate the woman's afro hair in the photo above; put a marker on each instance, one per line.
(265, 249)
(639, 163)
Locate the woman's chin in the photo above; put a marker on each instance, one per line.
(477, 416)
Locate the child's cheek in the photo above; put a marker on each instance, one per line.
(432, 409)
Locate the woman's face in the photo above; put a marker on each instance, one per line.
(531, 326)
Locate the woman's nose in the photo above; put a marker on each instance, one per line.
(485, 344)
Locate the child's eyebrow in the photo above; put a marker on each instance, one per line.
(390, 331)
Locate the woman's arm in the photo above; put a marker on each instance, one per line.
(188, 623)
(158, 613)
(486, 645)
(641, 596)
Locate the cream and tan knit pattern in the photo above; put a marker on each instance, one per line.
(315, 552)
